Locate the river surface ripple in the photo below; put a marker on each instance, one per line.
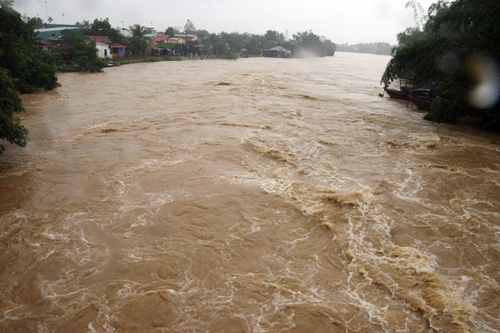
(257, 195)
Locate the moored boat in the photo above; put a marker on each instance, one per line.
(421, 102)
(396, 94)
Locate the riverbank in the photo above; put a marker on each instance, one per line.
(140, 59)
(122, 61)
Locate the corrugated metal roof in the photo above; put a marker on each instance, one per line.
(278, 48)
(51, 32)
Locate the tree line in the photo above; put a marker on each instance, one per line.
(455, 51)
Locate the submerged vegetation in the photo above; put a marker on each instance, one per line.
(456, 52)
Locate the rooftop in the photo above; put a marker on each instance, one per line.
(100, 39)
(161, 38)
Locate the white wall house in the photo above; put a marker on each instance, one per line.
(103, 50)
(102, 44)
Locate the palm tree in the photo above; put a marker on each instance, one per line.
(137, 30)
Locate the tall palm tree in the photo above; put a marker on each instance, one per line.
(137, 30)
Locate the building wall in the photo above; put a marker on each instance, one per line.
(104, 50)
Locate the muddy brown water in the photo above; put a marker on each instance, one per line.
(257, 195)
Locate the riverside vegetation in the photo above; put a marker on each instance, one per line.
(456, 52)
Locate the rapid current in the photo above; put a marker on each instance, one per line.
(257, 195)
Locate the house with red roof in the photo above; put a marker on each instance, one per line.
(106, 48)
(102, 44)
(160, 38)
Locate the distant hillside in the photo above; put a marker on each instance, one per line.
(374, 48)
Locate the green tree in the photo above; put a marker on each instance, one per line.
(171, 31)
(35, 22)
(255, 44)
(220, 48)
(82, 51)
(328, 47)
(309, 42)
(137, 30)
(10, 128)
(189, 27)
(18, 55)
(136, 45)
(21, 70)
(234, 40)
(272, 35)
(409, 36)
(202, 33)
(460, 38)
(102, 27)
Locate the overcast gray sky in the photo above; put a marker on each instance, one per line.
(342, 21)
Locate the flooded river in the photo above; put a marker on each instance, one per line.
(257, 195)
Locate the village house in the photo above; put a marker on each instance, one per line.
(160, 38)
(277, 52)
(102, 44)
(117, 50)
(189, 38)
(46, 39)
(175, 40)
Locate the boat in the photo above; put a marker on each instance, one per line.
(423, 103)
(405, 88)
(396, 94)
(112, 64)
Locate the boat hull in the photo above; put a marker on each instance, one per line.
(421, 102)
(396, 94)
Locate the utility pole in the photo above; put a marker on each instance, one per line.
(63, 18)
(46, 10)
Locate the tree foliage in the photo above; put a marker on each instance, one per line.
(189, 27)
(138, 30)
(18, 55)
(309, 43)
(22, 69)
(275, 36)
(82, 52)
(136, 45)
(171, 31)
(10, 104)
(460, 38)
(102, 27)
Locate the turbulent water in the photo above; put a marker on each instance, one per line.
(257, 195)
